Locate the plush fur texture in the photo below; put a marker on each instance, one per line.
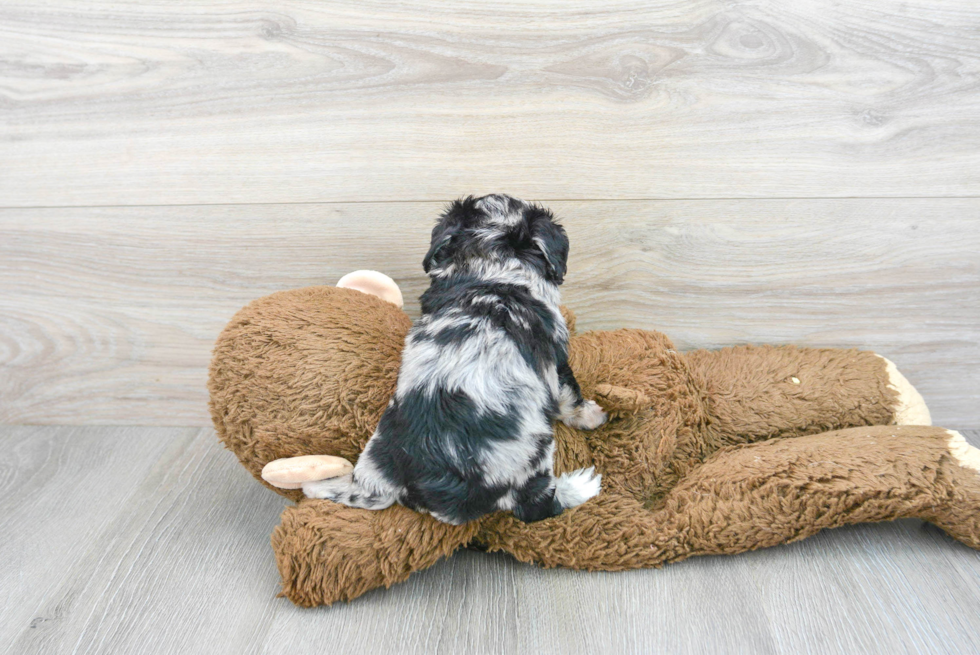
(704, 452)
(484, 373)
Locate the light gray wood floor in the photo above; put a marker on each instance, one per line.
(133, 540)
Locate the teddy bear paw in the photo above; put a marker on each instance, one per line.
(293, 472)
(911, 408)
(966, 455)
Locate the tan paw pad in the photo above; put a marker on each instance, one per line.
(911, 408)
(966, 455)
(292, 472)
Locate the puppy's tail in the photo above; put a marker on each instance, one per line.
(346, 491)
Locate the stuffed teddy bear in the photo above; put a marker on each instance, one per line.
(705, 452)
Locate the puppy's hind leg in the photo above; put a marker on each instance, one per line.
(544, 495)
(574, 488)
(346, 491)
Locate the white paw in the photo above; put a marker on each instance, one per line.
(587, 416)
(911, 408)
(573, 489)
(328, 488)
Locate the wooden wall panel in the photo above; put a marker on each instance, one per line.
(107, 315)
(139, 103)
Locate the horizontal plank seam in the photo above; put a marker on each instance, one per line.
(416, 200)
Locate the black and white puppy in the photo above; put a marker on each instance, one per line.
(483, 374)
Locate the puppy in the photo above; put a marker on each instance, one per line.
(483, 374)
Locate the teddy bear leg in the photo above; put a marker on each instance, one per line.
(751, 393)
(762, 494)
(328, 552)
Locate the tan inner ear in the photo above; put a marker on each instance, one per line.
(374, 283)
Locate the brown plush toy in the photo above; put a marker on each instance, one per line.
(704, 453)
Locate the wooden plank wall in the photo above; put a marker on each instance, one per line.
(192, 102)
(729, 172)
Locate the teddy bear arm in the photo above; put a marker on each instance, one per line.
(327, 552)
(751, 393)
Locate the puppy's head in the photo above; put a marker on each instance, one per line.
(497, 228)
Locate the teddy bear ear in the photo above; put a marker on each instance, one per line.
(374, 283)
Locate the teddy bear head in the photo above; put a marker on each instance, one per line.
(305, 371)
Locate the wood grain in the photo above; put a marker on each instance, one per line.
(60, 489)
(294, 101)
(156, 541)
(107, 316)
(159, 568)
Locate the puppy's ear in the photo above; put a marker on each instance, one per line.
(450, 223)
(438, 251)
(550, 239)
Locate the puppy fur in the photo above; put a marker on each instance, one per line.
(483, 374)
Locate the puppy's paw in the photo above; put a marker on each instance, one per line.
(587, 416)
(327, 489)
(573, 489)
